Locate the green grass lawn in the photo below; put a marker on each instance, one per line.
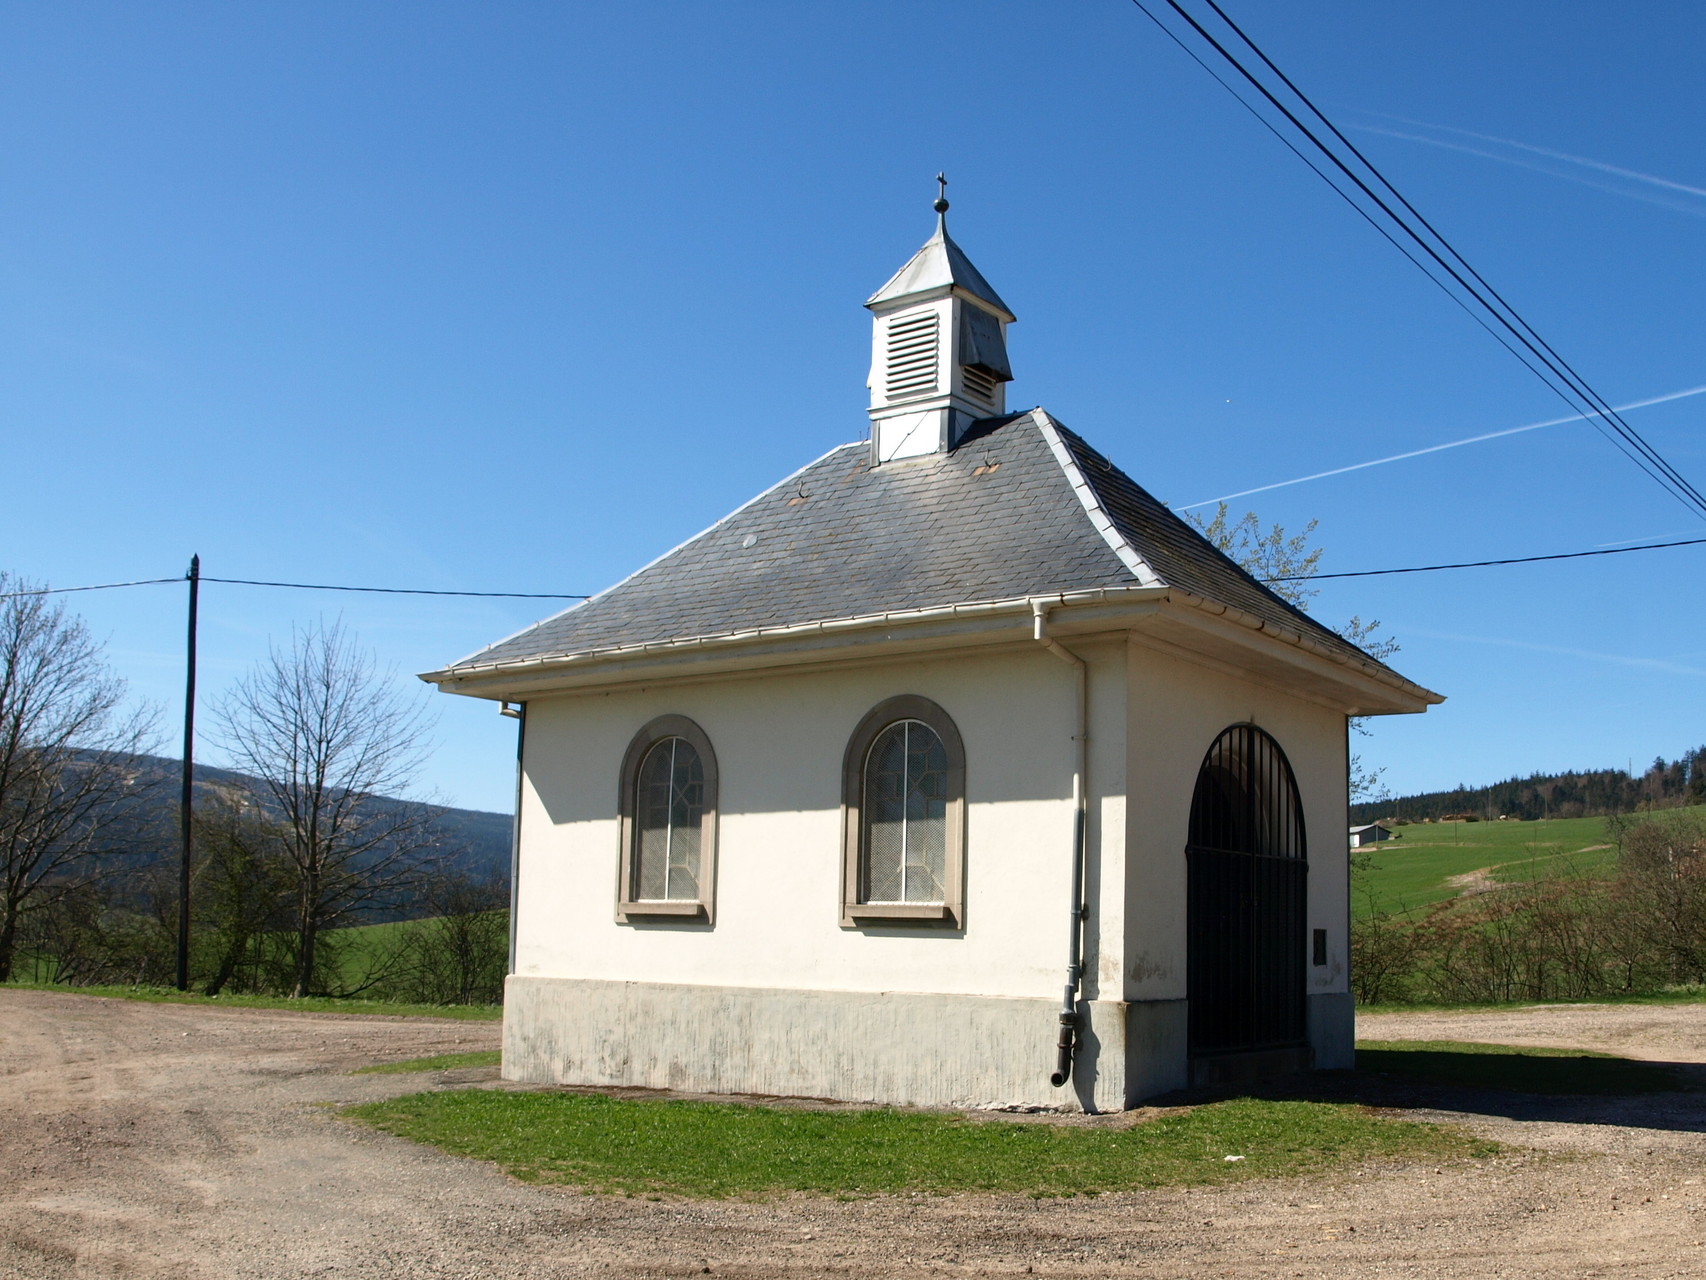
(438, 1062)
(712, 1149)
(1412, 871)
(1519, 1068)
(307, 1004)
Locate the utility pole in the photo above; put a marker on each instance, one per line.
(186, 804)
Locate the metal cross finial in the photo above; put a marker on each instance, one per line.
(941, 205)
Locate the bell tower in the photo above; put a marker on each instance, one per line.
(938, 349)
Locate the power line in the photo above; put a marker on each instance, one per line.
(1621, 435)
(545, 595)
(298, 586)
(1580, 382)
(1484, 564)
(1344, 195)
(1644, 456)
(401, 591)
(99, 586)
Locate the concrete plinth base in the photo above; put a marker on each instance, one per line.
(1333, 1030)
(892, 1047)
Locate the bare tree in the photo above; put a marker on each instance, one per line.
(70, 780)
(334, 748)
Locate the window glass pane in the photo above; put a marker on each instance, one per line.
(669, 810)
(885, 816)
(926, 813)
(905, 815)
(686, 814)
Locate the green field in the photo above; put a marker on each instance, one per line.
(359, 950)
(1414, 870)
(305, 1004)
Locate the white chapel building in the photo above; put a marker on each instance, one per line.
(952, 770)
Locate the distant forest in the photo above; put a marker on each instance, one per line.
(1665, 785)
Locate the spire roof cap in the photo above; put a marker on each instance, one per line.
(940, 264)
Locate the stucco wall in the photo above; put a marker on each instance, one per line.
(1177, 707)
(779, 742)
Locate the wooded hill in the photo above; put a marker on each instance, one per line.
(476, 843)
(1596, 793)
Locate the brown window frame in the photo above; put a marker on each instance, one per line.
(630, 909)
(950, 912)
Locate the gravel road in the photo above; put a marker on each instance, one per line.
(150, 1140)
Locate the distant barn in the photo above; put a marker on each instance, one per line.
(1372, 833)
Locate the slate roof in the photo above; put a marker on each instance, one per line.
(1022, 507)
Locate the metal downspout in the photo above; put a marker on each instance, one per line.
(519, 712)
(1070, 1018)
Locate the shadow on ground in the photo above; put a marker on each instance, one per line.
(1564, 1089)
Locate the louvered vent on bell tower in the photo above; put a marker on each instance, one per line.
(913, 355)
(979, 385)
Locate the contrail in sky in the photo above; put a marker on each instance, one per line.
(1622, 660)
(1584, 161)
(1437, 448)
(1692, 207)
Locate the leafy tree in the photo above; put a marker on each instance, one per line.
(460, 954)
(1284, 563)
(243, 890)
(70, 786)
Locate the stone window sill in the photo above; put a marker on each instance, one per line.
(862, 913)
(670, 910)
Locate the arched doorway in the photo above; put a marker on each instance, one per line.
(1248, 876)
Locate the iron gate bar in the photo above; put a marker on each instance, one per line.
(1247, 879)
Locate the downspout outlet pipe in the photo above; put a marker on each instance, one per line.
(1071, 1019)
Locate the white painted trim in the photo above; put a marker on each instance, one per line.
(1134, 563)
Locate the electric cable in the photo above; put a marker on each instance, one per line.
(1587, 389)
(1645, 457)
(1484, 564)
(399, 591)
(99, 586)
(1622, 436)
(546, 595)
(1344, 195)
(299, 586)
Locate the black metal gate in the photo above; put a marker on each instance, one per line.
(1248, 868)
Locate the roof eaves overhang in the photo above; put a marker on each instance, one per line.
(867, 636)
(1198, 627)
(1360, 685)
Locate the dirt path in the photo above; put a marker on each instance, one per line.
(144, 1140)
(1660, 1033)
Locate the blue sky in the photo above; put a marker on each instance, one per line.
(517, 296)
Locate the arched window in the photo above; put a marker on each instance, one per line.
(904, 816)
(1247, 895)
(669, 822)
